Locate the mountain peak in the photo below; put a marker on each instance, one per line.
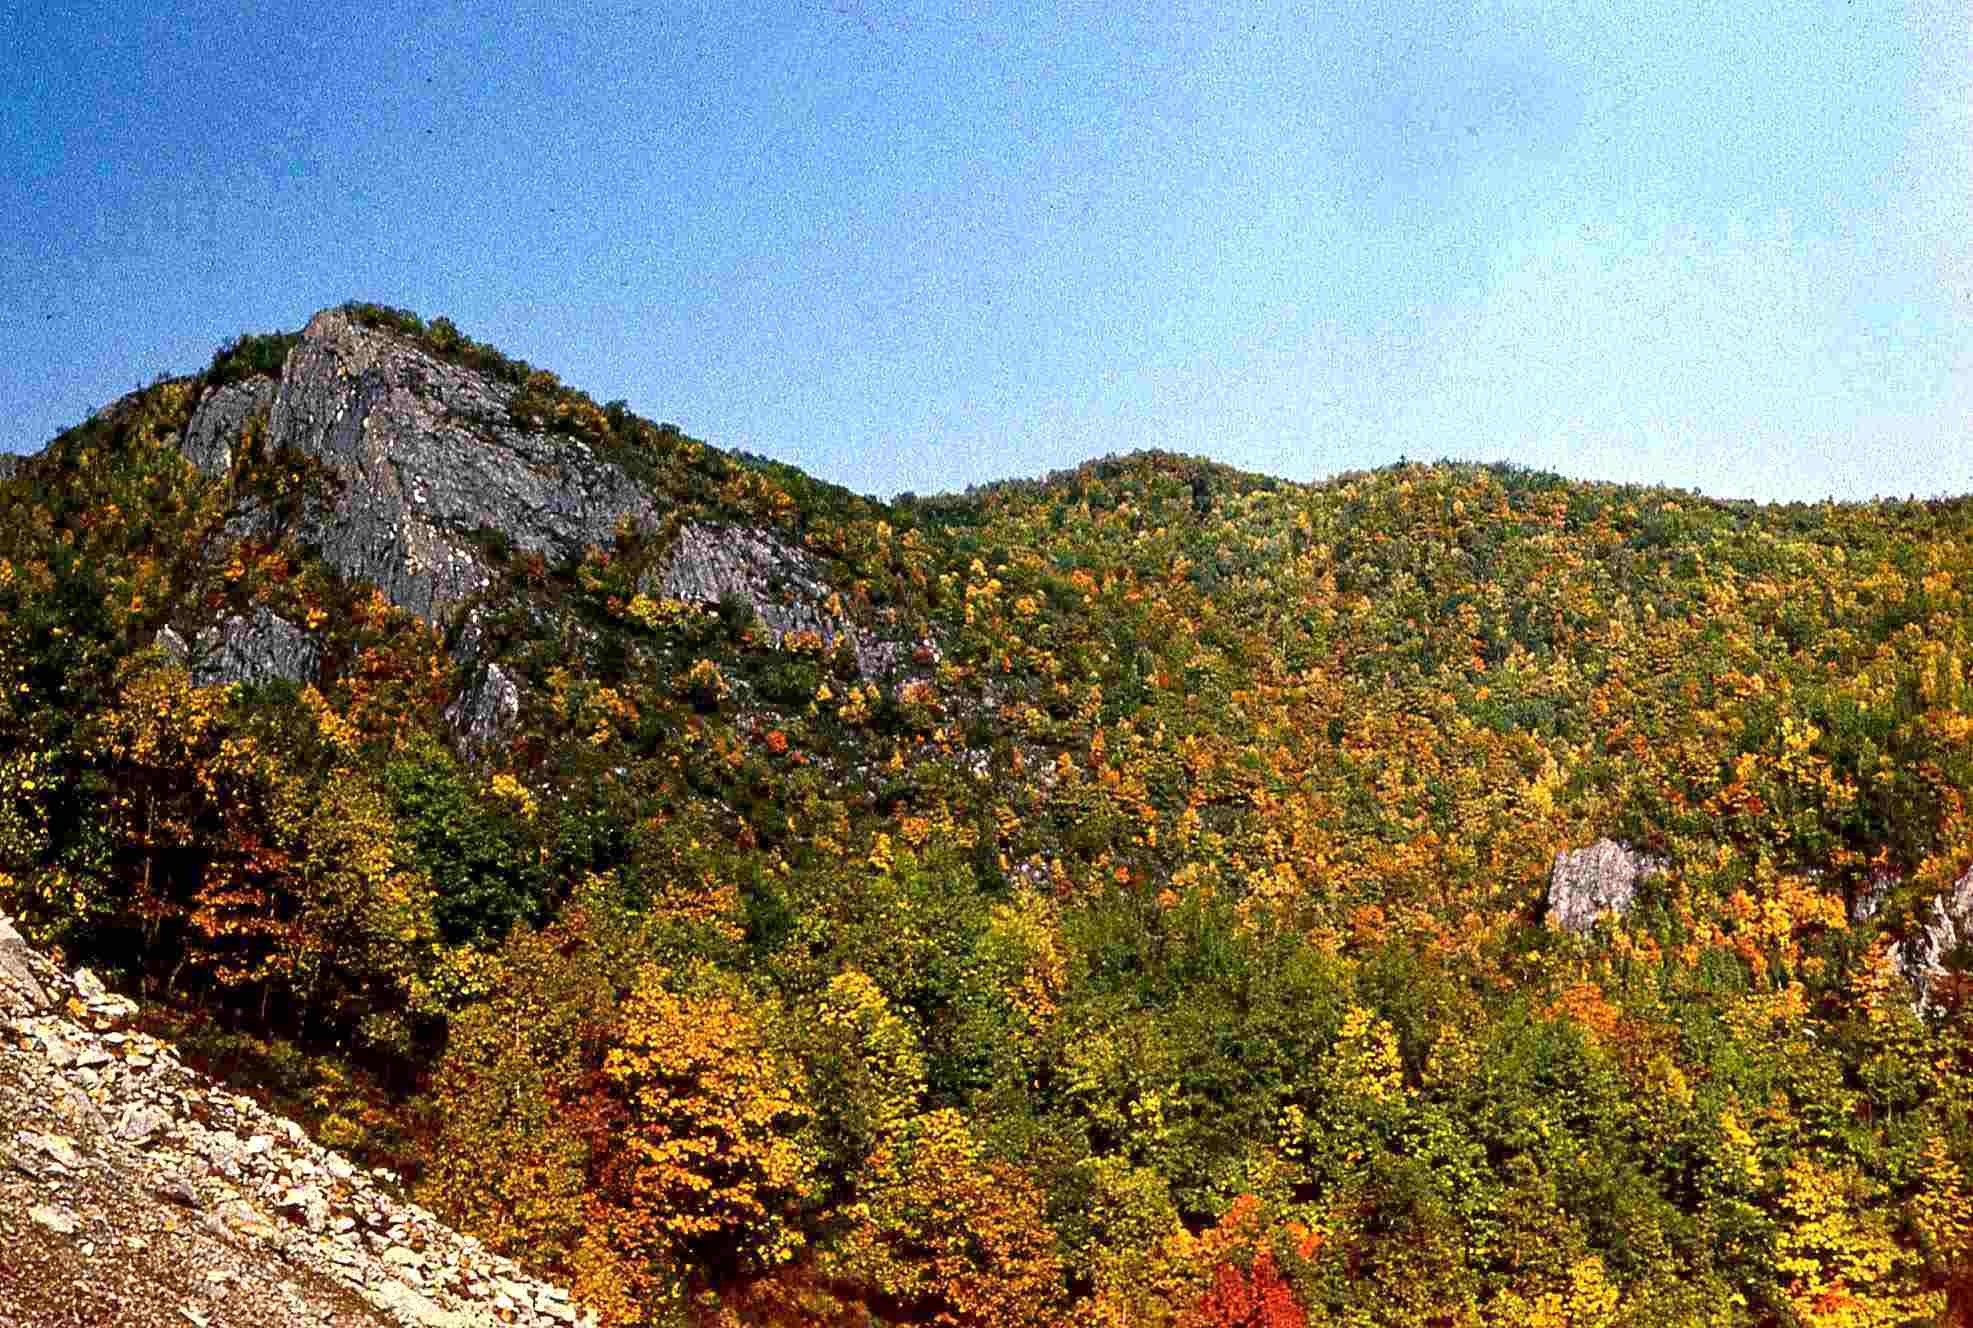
(425, 456)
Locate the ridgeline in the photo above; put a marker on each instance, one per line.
(1150, 894)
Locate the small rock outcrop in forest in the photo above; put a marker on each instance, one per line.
(778, 582)
(1587, 883)
(427, 461)
(1945, 925)
(133, 1191)
(486, 709)
(784, 587)
(253, 648)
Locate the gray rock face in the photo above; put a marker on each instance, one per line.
(781, 583)
(218, 419)
(1588, 882)
(1945, 925)
(428, 455)
(9, 463)
(253, 649)
(484, 712)
(427, 463)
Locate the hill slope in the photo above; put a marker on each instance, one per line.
(138, 1193)
(1147, 894)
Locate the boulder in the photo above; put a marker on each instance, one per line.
(141, 1123)
(20, 990)
(1587, 883)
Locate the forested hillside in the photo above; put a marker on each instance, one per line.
(1119, 898)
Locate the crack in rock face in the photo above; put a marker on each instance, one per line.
(1587, 883)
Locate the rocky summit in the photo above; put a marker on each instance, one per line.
(425, 456)
(133, 1191)
(432, 477)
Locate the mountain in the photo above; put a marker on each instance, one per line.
(1147, 894)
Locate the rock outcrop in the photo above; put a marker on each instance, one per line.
(219, 418)
(135, 1192)
(429, 463)
(428, 472)
(173, 645)
(780, 584)
(1587, 883)
(484, 712)
(1945, 924)
(254, 648)
(1870, 896)
(784, 587)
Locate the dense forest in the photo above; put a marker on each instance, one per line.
(1126, 906)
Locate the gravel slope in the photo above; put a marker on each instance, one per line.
(135, 1192)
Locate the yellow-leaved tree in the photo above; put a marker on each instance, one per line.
(867, 1068)
(707, 1155)
(1840, 1266)
(513, 1151)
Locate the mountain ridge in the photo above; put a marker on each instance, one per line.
(1151, 893)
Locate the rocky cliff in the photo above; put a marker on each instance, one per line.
(434, 486)
(426, 458)
(134, 1191)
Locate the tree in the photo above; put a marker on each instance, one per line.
(708, 1156)
(942, 1235)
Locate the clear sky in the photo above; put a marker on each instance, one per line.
(1718, 244)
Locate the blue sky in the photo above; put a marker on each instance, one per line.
(1725, 246)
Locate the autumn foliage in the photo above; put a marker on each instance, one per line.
(1140, 923)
